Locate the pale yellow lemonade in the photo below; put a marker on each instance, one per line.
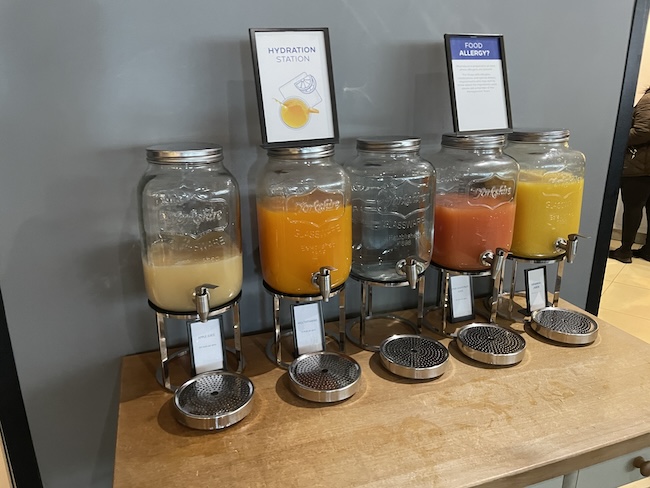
(548, 207)
(172, 274)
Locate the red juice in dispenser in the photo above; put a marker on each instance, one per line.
(475, 200)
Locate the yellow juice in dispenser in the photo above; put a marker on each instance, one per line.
(171, 276)
(548, 207)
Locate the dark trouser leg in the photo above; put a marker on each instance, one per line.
(635, 193)
(647, 221)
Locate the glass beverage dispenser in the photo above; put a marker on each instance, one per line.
(474, 209)
(549, 196)
(190, 241)
(393, 191)
(304, 222)
(475, 200)
(549, 203)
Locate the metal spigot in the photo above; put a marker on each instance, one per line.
(322, 279)
(411, 268)
(570, 246)
(497, 262)
(202, 300)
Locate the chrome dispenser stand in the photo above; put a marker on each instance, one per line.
(496, 271)
(569, 249)
(162, 374)
(321, 279)
(414, 273)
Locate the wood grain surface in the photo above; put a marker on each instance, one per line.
(560, 409)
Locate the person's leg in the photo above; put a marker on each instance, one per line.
(634, 199)
(644, 251)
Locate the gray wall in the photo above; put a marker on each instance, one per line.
(86, 85)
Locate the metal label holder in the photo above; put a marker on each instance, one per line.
(163, 373)
(274, 346)
(367, 314)
(496, 261)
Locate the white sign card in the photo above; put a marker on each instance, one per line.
(461, 298)
(206, 346)
(536, 296)
(308, 328)
(295, 86)
(478, 83)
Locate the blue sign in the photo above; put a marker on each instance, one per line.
(475, 48)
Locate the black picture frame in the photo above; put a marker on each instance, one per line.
(527, 279)
(16, 435)
(272, 132)
(460, 115)
(453, 318)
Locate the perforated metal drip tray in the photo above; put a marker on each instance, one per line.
(213, 400)
(565, 326)
(324, 376)
(414, 356)
(491, 344)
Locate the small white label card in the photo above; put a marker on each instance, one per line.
(295, 86)
(206, 345)
(461, 298)
(535, 288)
(308, 328)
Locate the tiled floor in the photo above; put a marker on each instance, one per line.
(625, 298)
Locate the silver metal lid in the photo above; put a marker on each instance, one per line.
(307, 152)
(213, 400)
(491, 344)
(539, 135)
(414, 356)
(389, 144)
(473, 141)
(566, 326)
(324, 376)
(185, 153)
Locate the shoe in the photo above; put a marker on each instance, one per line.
(643, 253)
(621, 255)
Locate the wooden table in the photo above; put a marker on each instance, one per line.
(560, 409)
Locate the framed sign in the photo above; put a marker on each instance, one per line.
(536, 296)
(295, 87)
(308, 328)
(461, 298)
(478, 83)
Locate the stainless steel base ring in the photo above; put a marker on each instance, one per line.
(491, 344)
(324, 376)
(414, 356)
(565, 326)
(213, 400)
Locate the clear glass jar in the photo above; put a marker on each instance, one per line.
(475, 200)
(393, 191)
(189, 226)
(549, 196)
(304, 219)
